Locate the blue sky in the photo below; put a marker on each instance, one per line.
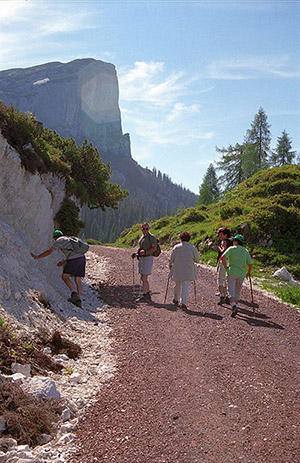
(192, 74)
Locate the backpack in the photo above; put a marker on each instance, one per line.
(78, 245)
(158, 250)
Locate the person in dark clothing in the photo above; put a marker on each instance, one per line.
(223, 234)
(147, 246)
(73, 265)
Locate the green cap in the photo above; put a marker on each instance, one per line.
(57, 233)
(239, 238)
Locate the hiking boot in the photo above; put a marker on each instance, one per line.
(183, 306)
(143, 298)
(147, 296)
(227, 300)
(175, 302)
(221, 301)
(74, 297)
(234, 311)
(77, 302)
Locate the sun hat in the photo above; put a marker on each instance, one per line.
(57, 233)
(239, 238)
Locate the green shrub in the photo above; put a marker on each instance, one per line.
(92, 241)
(192, 215)
(67, 218)
(228, 210)
(160, 223)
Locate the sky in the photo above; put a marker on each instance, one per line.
(192, 74)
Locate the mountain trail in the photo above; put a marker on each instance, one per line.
(193, 385)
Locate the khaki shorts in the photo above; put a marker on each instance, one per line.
(145, 265)
(221, 275)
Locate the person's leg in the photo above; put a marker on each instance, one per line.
(67, 280)
(221, 280)
(145, 284)
(185, 291)
(177, 291)
(238, 288)
(232, 289)
(78, 285)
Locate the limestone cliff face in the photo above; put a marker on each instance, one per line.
(28, 204)
(80, 100)
(77, 99)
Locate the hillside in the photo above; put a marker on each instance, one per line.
(265, 208)
(79, 99)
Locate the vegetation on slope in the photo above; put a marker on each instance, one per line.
(268, 202)
(44, 150)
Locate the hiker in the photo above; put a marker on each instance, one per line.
(73, 264)
(182, 268)
(223, 234)
(238, 261)
(147, 246)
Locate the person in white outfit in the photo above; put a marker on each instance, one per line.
(182, 268)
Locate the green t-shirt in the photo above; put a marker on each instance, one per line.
(147, 241)
(238, 260)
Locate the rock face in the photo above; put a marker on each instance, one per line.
(80, 100)
(28, 204)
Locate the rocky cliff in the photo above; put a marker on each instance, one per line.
(80, 100)
(28, 204)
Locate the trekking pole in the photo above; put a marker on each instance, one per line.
(133, 282)
(195, 291)
(167, 290)
(251, 290)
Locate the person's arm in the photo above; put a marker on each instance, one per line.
(43, 254)
(196, 256)
(248, 274)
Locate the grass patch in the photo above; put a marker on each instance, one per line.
(286, 292)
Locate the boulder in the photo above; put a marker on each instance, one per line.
(282, 274)
(24, 369)
(41, 387)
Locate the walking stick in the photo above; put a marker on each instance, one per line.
(133, 282)
(167, 290)
(251, 290)
(195, 291)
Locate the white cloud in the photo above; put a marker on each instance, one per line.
(146, 82)
(9, 10)
(252, 68)
(153, 111)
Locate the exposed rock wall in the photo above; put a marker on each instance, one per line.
(77, 99)
(28, 204)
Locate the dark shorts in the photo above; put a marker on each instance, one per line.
(75, 267)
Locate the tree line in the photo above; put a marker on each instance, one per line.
(241, 161)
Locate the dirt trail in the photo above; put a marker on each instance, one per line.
(194, 385)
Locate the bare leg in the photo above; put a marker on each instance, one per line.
(145, 283)
(67, 281)
(78, 285)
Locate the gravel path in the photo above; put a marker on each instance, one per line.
(194, 385)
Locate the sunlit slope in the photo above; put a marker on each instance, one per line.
(268, 202)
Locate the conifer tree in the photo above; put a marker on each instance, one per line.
(209, 190)
(257, 144)
(232, 164)
(283, 154)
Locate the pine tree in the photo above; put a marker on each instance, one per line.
(257, 144)
(232, 163)
(282, 154)
(209, 190)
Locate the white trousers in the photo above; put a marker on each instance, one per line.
(234, 286)
(181, 291)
